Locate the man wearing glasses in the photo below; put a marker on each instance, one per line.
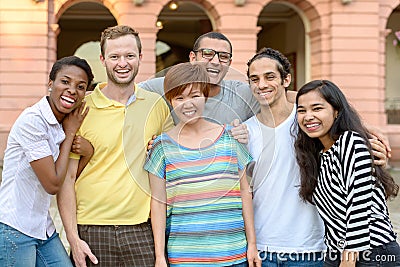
(228, 99)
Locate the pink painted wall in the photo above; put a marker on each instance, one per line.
(346, 43)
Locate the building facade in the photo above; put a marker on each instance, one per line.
(351, 42)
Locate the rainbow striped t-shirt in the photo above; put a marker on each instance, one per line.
(204, 208)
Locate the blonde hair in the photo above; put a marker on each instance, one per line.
(116, 32)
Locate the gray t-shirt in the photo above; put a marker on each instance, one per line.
(235, 101)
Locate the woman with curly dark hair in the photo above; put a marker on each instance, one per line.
(339, 176)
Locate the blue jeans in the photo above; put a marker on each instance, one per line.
(20, 250)
(242, 264)
(273, 259)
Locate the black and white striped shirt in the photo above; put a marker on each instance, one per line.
(351, 204)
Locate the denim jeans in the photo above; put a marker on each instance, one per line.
(273, 259)
(242, 264)
(387, 255)
(20, 250)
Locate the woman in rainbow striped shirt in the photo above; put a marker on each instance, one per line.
(201, 206)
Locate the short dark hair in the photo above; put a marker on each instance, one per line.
(183, 74)
(211, 35)
(116, 32)
(71, 61)
(283, 63)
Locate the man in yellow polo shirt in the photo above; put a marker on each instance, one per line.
(105, 211)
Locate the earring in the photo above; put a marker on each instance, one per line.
(50, 89)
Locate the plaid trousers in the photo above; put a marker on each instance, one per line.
(119, 245)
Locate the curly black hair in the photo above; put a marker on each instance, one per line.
(283, 63)
(71, 61)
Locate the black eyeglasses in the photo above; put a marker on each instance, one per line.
(209, 54)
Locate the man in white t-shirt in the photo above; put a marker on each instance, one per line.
(288, 230)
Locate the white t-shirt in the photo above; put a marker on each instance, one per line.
(284, 223)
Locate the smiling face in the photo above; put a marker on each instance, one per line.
(216, 70)
(121, 60)
(316, 117)
(67, 90)
(266, 83)
(189, 105)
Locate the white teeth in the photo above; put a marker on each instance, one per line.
(264, 93)
(312, 125)
(68, 99)
(122, 71)
(213, 70)
(188, 113)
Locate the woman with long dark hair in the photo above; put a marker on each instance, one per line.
(338, 175)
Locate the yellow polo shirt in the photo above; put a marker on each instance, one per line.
(113, 189)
